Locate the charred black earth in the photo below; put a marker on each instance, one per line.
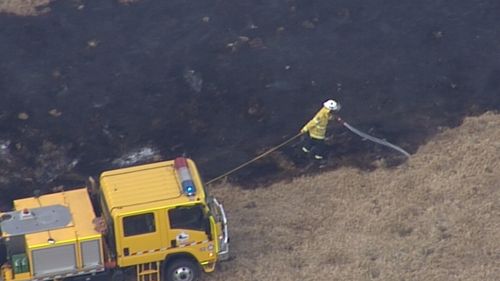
(94, 85)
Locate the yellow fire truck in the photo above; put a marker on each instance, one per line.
(154, 221)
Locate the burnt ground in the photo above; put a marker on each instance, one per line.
(90, 83)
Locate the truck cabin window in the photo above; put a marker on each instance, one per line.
(188, 218)
(139, 224)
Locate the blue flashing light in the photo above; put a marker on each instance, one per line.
(188, 188)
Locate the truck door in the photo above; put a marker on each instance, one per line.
(140, 234)
(188, 225)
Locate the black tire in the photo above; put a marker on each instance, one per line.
(182, 269)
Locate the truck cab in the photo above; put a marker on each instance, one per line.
(159, 219)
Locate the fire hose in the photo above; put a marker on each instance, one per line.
(345, 124)
(255, 159)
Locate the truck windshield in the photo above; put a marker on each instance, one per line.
(191, 217)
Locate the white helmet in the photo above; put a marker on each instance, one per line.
(332, 105)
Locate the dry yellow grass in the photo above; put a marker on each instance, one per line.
(24, 7)
(437, 217)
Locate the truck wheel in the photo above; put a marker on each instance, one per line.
(182, 270)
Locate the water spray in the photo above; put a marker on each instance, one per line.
(373, 139)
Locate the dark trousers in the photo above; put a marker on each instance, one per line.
(315, 146)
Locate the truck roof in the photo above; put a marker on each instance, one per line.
(73, 208)
(146, 187)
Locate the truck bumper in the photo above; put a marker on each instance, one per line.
(223, 254)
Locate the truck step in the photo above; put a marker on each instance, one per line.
(148, 271)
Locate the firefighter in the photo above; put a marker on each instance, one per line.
(316, 129)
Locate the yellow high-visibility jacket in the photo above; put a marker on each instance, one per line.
(317, 126)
